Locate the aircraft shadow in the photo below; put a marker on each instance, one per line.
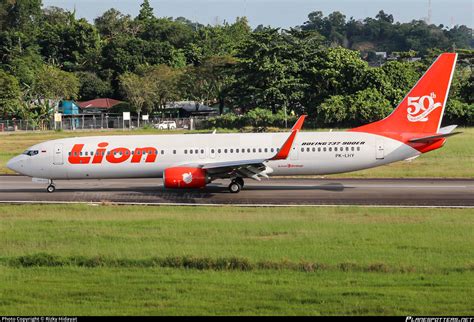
(159, 191)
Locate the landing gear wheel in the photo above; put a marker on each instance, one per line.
(235, 187)
(240, 181)
(51, 188)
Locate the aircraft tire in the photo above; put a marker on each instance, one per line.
(235, 187)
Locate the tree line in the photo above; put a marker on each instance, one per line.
(320, 67)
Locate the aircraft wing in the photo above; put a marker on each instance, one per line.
(253, 168)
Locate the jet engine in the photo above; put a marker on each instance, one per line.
(185, 177)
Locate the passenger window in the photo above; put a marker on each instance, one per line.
(319, 149)
(162, 151)
(231, 150)
(69, 153)
(358, 148)
(92, 153)
(236, 150)
(219, 151)
(302, 149)
(202, 151)
(225, 150)
(248, 150)
(266, 150)
(324, 149)
(271, 150)
(185, 151)
(330, 149)
(314, 149)
(191, 151)
(196, 151)
(260, 150)
(352, 148)
(307, 149)
(254, 150)
(174, 151)
(347, 148)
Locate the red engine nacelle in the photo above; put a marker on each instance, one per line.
(185, 177)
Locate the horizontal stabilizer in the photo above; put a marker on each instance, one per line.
(431, 138)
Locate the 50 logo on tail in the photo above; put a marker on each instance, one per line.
(419, 113)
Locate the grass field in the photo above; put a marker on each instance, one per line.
(454, 160)
(81, 259)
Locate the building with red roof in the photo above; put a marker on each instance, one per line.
(98, 105)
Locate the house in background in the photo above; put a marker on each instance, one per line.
(98, 105)
(68, 108)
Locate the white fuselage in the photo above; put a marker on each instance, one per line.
(313, 153)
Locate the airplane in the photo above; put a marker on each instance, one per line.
(195, 160)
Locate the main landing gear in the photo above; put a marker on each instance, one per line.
(51, 188)
(236, 185)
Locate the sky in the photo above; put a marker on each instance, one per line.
(279, 13)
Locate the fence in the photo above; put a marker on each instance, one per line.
(97, 122)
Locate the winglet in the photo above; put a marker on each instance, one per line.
(283, 153)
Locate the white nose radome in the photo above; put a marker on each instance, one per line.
(17, 164)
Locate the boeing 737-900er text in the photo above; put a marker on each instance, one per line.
(194, 160)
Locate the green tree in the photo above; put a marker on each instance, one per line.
(368, 106)
(163, 83)
(137, 91)
(146, 12)
(333, 111)
(113, 23)
(53, 85)
(331, 71)
(72, 45)
(9, 95)
(92, 86)
(267, 73)
(210, 82)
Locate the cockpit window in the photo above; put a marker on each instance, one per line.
(31, 152)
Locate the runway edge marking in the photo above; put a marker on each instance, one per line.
(222, 205)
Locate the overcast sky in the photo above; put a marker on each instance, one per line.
(279, 13)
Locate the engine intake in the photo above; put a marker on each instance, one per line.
(185, 177)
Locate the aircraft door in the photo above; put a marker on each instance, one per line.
(379, 150)
(58, 154)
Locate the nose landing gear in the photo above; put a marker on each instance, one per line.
(51, 188)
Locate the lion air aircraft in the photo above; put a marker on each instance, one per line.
(194, 160)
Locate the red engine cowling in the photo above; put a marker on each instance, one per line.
(185, 177)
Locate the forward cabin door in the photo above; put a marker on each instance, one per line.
(58, 154)
(379, 150)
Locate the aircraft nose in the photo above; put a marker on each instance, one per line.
(16, 164)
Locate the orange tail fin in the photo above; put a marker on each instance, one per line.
(421, 111)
